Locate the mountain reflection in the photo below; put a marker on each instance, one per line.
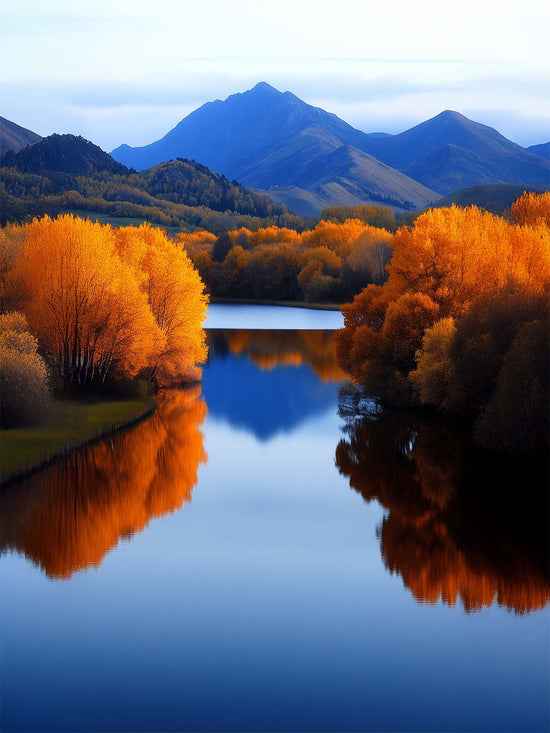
(460, 526)
(270, 381)
(68, 516)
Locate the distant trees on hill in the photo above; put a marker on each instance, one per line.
(376, 216)
(64, 172)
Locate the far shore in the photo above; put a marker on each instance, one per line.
(285, 303)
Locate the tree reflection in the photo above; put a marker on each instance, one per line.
(270, 381)
(271, 348)
(460, 525)
(68, 516)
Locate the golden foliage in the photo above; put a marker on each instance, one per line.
(329, 263)
(434, 364)
(175, 295)
(532, 208)
(23, 374)
(105, 301)
(443, 268)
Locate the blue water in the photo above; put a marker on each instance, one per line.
(271, 601)
(222, 315)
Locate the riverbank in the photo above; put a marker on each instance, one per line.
(70, 425)
(285, 303)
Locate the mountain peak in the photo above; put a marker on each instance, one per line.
(450, 114)
(263, 86)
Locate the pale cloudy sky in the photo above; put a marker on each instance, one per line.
(127, 70)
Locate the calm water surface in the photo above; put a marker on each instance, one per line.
(222, 315)
(268, 552)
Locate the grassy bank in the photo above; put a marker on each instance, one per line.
(70, 424)
(287, 303)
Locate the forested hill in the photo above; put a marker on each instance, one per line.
(65, 172)
(62, 154)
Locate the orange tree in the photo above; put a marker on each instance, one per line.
(106, 303)
(486, 278)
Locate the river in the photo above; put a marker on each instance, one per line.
(270, 551)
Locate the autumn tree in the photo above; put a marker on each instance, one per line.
(532, 208)
(336, 237)
(222, 247)
(106, 303)
(319, 275)
(375, 215)
(482, 276)
(175, 296)
(23, 376)
(434, 365)
(367, 261)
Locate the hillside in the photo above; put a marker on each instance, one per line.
(275, 142)
(64, 172)
(450, 152)
(495, 197)
(14, 137)
(543, 150)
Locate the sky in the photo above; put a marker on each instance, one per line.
(129, 71)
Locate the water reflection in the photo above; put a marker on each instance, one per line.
(459, 526)
(269, 382)
(68, 516)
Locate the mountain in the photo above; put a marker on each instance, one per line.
(62, 154)
(450, 151)
(64, 172)
(275, 142)
(543, 150)
(494, 197)
(13, 137)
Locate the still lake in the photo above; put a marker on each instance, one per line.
(271, 552)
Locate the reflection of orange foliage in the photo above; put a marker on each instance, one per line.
(434, 568)
(67, 517)
(443, 534)
(269, 349)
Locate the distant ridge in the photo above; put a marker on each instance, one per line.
(14, 137)
(543, 150)
(275, 142)
(450, 152)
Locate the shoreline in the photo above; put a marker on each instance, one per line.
(284, 303)
(43, 457)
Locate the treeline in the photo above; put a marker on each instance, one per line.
(462, 323)
(327, 264)
(104, 304)
(377, 216)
